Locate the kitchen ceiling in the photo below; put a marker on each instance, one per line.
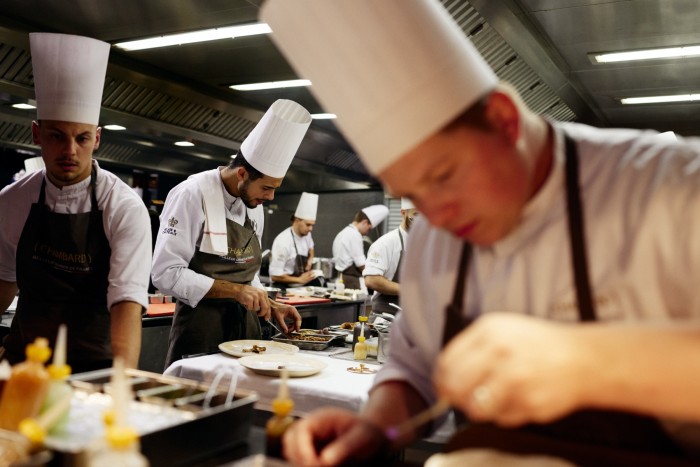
(181, 92)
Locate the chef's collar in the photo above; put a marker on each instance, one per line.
(548, 204)
(71, 190)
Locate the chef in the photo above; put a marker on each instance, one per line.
(293, 249)
(207, 252)
(73, 238)
(348, 247)
(529, 227)
(384, 259)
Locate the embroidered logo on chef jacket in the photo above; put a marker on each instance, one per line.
(374, 258)
(171, 230)
(606, 306)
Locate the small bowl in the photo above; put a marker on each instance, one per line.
(272, 292)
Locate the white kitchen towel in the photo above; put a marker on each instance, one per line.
(214, 237)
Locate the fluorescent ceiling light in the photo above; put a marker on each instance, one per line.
(649, 54)
(292, 83)
(660, 99)
(184, 143)
(196, 36)
(323, 116)
(24, 106)
(114, 127)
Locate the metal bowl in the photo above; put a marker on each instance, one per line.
(272, 292)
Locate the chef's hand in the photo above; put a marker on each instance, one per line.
(331, 436)
(512, 369)
(253, 299)
(307, 277)
(280, 311)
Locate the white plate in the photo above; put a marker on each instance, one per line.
(236, 348)
(269, 365)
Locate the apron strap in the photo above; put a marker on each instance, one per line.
(454, 322)
(576, 235)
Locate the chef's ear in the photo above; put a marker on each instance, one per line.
(503, 115)
(241, 174)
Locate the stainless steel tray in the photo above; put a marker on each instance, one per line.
(180, 422)
(321, 344)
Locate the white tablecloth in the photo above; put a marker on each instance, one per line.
(333, 386)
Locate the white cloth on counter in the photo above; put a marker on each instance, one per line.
(284, 255)
(348, 249)
(180, 234)
(214, 235)
(384, 254)
(333, 386)
(124, 218)
(640, 195)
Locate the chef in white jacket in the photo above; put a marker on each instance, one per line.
(207, 252)
(384, 258)
(293, 249)
(529, 228)
(348, 246)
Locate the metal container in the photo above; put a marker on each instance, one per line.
(272, 292)
(180, 422)
(322, 342)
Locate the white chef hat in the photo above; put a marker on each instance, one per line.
(69, 76)
(270, 147)
(33, 164)
(406, 204)
(376, 213)
(394, 72)
(307, 207)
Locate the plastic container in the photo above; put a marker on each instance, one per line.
(121, 449)
(26, 389)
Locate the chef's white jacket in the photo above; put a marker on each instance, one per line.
(641, 198)
(124, 218)
(284, 253)
(384, 254)
(348, 249)
(180, 234)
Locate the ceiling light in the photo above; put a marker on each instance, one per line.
(24, 106)
(114, 127)
(661, 99)
(184, 143)
(196, 36)
(292, 83)
(685, 51)
(323, 116)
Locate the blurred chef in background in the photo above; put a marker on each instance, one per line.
(74, 238)
(532, 227)
(348, 248)
(293, 249)
(208, 255)
(384, 259)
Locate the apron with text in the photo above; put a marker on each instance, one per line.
(300, 262)
(606, 434)
(380, 301)
(216, 320)
(62, 276)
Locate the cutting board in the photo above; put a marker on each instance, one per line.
(293, 300)
(160, 309)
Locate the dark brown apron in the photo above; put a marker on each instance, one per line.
(380, 301)
(604, 436)
(62, 275)
(200, 330)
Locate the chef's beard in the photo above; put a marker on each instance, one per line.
(245, 196)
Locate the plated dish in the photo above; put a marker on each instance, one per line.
(272, 365)
(307, 340)
(242, 348)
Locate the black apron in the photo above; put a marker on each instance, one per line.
(351, 277)
(62, 276)
(299, 268)
(380, 301)
(216, 320)
(612, 433)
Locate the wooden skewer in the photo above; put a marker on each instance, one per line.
(418, 420)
